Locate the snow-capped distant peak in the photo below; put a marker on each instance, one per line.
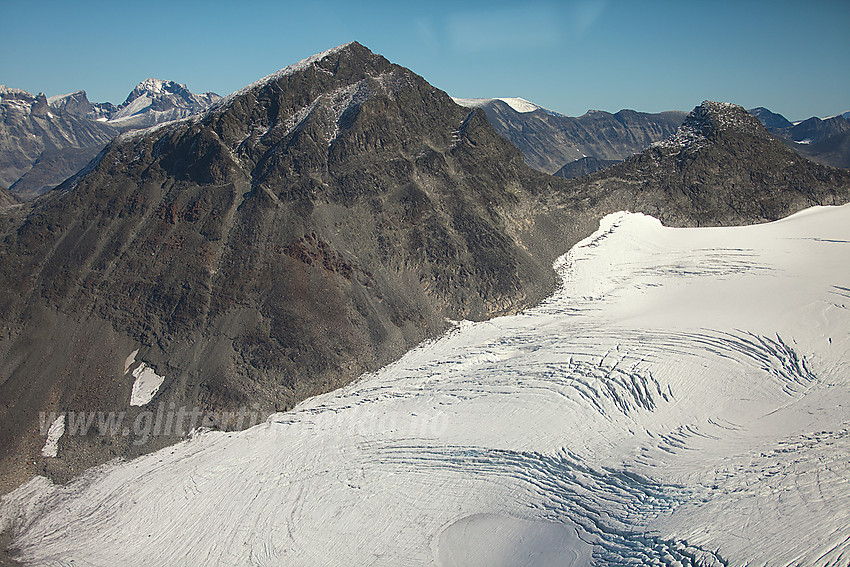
(518, 104)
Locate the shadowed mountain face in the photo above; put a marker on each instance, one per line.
(313, 226)
(549, 141)
(584, 166)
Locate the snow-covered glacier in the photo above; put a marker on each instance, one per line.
(683, 399)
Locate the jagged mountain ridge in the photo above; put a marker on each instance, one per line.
(309, 227)
(549, 140)
(39, 148)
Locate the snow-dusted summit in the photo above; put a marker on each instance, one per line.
(154, 101)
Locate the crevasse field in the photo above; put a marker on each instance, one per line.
(684, 399)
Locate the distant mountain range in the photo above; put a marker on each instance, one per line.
(572, 147)
(43, 141)
(825, 141)
(550, 141)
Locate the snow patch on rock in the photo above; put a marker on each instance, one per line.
(51, 444)
(146, 385)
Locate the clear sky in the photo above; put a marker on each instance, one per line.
(790, 56)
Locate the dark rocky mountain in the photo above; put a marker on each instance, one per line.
(584, 166)
(308, 228)
(53, 144)
(549, 140)
(825, 141)
(311, 227)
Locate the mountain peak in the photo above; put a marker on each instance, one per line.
(289, 70)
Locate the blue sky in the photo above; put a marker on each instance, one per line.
(791, 57)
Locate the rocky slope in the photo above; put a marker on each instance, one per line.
(6, 198)
(308, 228)
(549, 140)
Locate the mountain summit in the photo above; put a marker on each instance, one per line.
(154, 101)
(720, 167)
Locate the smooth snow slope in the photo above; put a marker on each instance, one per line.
(683, 400)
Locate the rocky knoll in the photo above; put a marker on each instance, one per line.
(721, 167)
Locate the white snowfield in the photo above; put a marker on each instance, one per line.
(682, 400)
(519, 104)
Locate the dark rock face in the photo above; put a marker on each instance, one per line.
(311, 227)
(584, 166)
(823, 141)
(549, 141)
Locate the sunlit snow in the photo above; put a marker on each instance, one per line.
(519, 104)
(682, 400)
